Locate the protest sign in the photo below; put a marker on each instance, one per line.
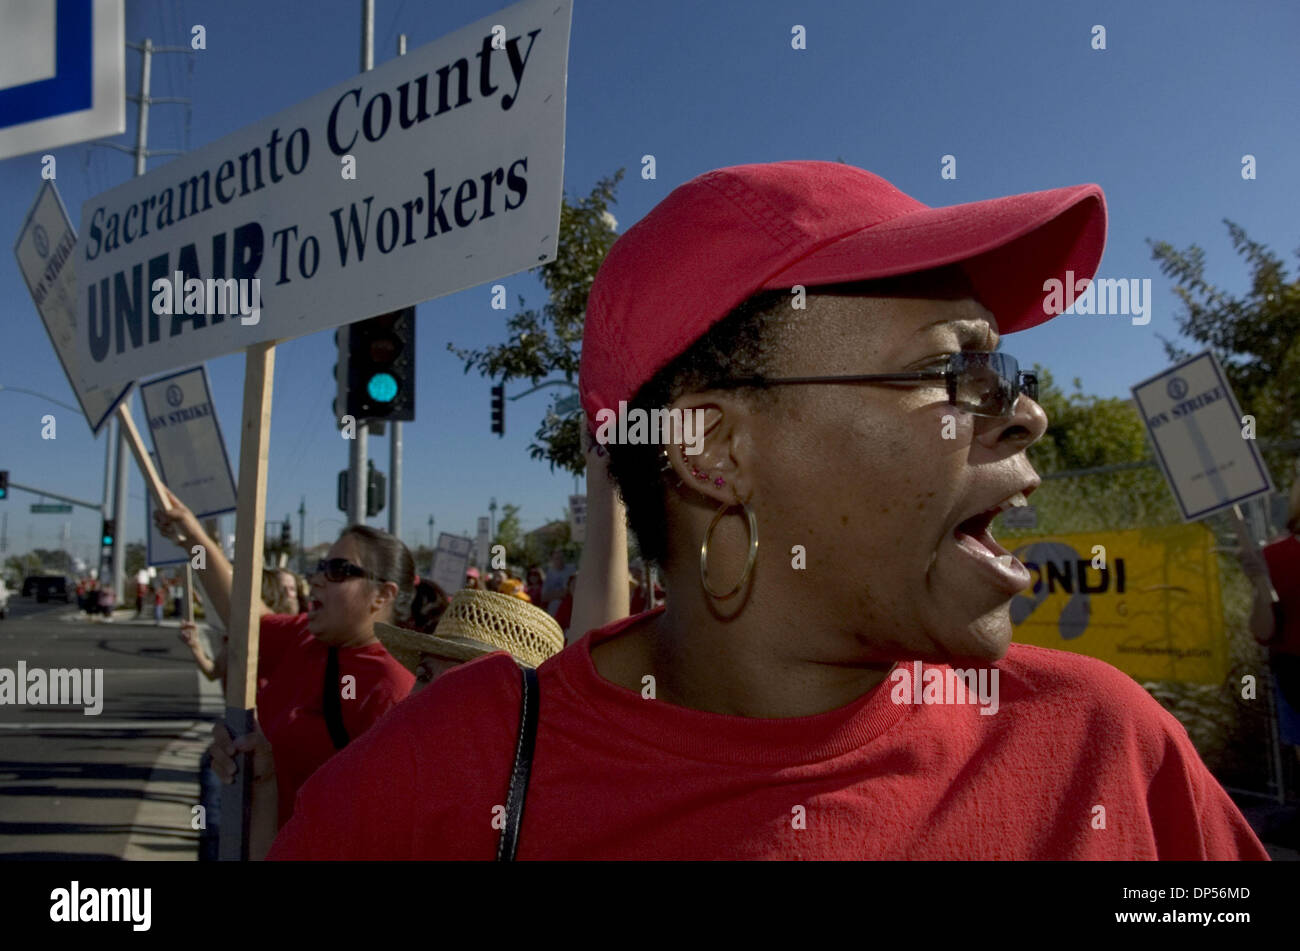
(437, 171)
(46, 252)
(62, 74)
(187, 441)
(450, 561)
(1145, 600)
(1196, 427)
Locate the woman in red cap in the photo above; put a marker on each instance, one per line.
(838, 342)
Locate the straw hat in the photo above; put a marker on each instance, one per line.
(477, 623)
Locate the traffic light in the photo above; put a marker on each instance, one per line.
(341, 372)
(286, 539)
(499, 409)
(376, 368)
(4, 483)
(109, 534)
(376, 491)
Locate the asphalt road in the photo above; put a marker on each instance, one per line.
(120, 784)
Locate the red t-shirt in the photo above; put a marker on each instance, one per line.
(616, 776)
(291, 676)
(1283, 559)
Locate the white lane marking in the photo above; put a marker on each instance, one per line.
(93, 723)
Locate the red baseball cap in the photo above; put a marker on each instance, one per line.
(727, 234)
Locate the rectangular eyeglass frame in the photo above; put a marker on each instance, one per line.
(1003, 365)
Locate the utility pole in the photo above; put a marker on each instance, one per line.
(359, 449)
(395, 440)
(430, 530)
(395, 481)
(142, 154)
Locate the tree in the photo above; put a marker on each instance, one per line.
(540, 344)
(19, 567)
(1084, 431)
(510, 534)
(52, 559)
(135, 558)
(1256, 336)
(1088, 432)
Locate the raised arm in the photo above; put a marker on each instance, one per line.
(180, 525)
(600, 595)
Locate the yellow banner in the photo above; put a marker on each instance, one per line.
(1144, 600)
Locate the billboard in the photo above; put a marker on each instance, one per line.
(1145, 600)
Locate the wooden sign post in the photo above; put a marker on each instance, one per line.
(154, 483)
(246, 590)
(246, 586)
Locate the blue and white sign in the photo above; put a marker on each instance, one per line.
(62, 73)
(191, 454)
(450, 562)
(1195, 425)
(46, 250)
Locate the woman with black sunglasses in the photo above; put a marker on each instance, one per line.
(323, 676)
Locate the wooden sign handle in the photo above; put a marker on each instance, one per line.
(142, 458)
(1250, 553)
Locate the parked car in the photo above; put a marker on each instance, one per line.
(45, 587)
(4, 599)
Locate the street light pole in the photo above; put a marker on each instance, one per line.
(302, 536)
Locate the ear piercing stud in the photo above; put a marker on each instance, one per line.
(719, 481)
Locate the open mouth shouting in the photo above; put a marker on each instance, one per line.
(973, 539)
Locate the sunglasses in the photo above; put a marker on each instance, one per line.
(340, 569)
(981, 383)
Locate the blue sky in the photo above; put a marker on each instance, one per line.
(1160, 119)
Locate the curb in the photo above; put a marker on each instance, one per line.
(163, 827)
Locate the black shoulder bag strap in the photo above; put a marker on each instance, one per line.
(330, 701)
(509, 842)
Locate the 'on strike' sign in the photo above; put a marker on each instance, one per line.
(1196, 427)
(437, 171)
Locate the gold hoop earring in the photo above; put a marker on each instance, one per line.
(750, 557)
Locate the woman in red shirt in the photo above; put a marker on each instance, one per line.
(1276, 624)
(781, 704)
(323, 676)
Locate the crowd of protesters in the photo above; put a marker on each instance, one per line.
(741, 710)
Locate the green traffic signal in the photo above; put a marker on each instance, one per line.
(382, 387)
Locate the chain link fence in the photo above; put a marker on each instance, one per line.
(1236, 737)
